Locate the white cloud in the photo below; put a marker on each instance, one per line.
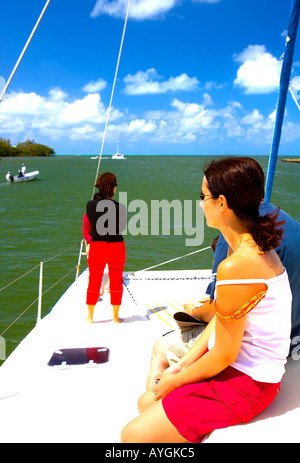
(86, 132)
(252, 118)
(257, 127)
(213, 85)
(57, 95)
(149, 82)
(259, 72)
(184, 123)
(23, 103)
(142, 83)
(207, 99)
(89, 108)
(140, 9)
(95, 87)
(55, 115)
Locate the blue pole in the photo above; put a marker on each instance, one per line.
(283, 90)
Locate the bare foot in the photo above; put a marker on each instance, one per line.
(116, 318)
(89, 318)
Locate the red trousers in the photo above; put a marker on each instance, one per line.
(114, 255)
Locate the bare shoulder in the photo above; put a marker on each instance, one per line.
(249, 264)
(239, 267)
(231, 268)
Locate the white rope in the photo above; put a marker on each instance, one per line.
(112, 95)
(177, 258)
(24, 51)
(294, 96)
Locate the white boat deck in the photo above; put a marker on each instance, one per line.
(92, 403)
(39, 403)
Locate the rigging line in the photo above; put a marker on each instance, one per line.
(59, 281)
(173, 260)
(112, 95)
(294, 97)
(45, 292)
(61, 253)
(22, 276)
(24, 50)
(30, 271)
(20, 316)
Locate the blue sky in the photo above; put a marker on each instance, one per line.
(196, 76)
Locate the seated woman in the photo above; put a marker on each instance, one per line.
(234, 370)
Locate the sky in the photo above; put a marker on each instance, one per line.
(196, 77)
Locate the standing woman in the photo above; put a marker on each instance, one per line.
(107, 218)
(234, 370)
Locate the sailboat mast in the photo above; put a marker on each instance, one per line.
(283, 90)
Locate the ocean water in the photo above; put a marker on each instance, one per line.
(41, 219)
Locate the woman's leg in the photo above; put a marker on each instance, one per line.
(96, 264)
(158, 364)
(145, 401)
(90, 315)
(116, 263)
(152, 426)
(116, 318)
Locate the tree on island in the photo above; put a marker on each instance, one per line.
(28, 148)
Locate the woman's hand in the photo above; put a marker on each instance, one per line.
(166, 383)
(173, 369)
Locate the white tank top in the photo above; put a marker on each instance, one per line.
(266, 341)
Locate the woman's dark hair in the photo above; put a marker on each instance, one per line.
(241, 180)
(106, 184)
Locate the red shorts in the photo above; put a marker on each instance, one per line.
(100, 255)
(228, 399)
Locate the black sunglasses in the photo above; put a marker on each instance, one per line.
(203, 196)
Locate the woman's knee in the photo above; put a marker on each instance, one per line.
(145, 401)
(126, 435)
(132, 433)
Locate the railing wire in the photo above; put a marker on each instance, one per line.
(44, 292)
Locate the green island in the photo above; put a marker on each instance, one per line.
(28, 148)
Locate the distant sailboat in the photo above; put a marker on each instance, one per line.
(118, 155)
